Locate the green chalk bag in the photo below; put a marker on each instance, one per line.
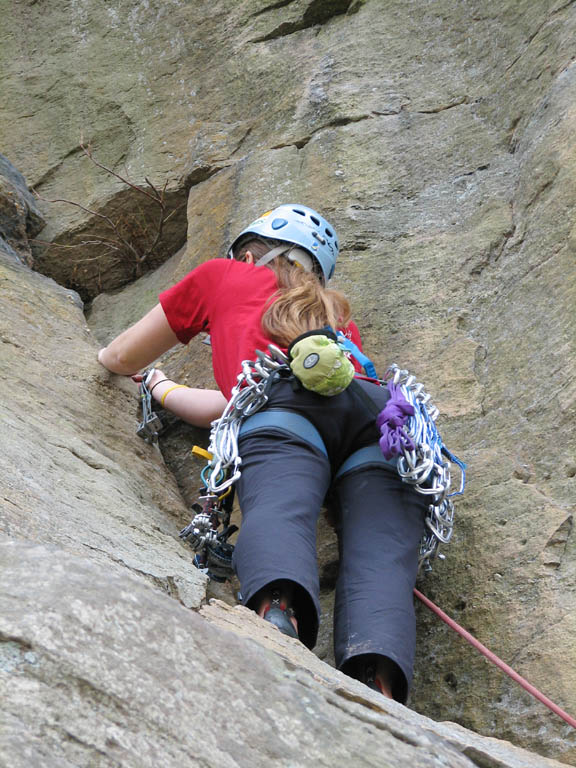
(319, 363)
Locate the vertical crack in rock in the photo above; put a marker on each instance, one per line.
(555, 12)
(537, 32)
(541, 190)
(242, 140)
(493, 252)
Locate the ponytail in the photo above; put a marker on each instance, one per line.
(301, 303)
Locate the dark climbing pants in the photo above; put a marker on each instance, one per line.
(379, 521)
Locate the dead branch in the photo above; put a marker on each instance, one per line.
(88, 152)
(130, 234)
(107, 219)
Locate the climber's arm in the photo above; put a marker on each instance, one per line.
(140, 345)
(143, 343)
(199, 407)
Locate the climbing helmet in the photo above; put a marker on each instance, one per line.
(301, 227)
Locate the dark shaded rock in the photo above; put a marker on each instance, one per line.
(20, 219)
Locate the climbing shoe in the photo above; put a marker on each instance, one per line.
(279, 614)
(370, 678)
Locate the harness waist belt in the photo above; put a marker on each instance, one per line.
(370, 456)
(284, 421)
(300, 427)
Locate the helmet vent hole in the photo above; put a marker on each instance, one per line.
(300, 212)
(315, 220)
(328, 233)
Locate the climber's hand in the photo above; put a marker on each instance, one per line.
(156, 376)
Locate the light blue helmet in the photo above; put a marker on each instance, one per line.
(302, 227)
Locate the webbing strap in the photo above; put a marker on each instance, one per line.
(280, 249)
(285, 421)
(363, 359)
(370, 456)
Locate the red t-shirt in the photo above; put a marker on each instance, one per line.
(226, 299)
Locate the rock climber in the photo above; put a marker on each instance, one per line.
(272, 288)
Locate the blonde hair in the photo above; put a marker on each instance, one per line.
(301, 303)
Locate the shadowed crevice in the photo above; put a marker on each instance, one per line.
(338, 122)
(318, 12)
(273, 7)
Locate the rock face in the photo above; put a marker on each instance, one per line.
(72, 474)
(100, 670)
(438, 137)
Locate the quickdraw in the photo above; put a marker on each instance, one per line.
(151, 424)
(248, 396)
(213, 550)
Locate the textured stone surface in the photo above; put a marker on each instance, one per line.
(439, 137)
(72, 471)
(100, 670)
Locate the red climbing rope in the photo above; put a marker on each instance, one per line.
(496, 660)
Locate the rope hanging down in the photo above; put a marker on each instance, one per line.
(496, 660)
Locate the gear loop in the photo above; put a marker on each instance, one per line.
(427, 468)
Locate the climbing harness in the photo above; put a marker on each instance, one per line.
(414, 447)
(422, 461)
